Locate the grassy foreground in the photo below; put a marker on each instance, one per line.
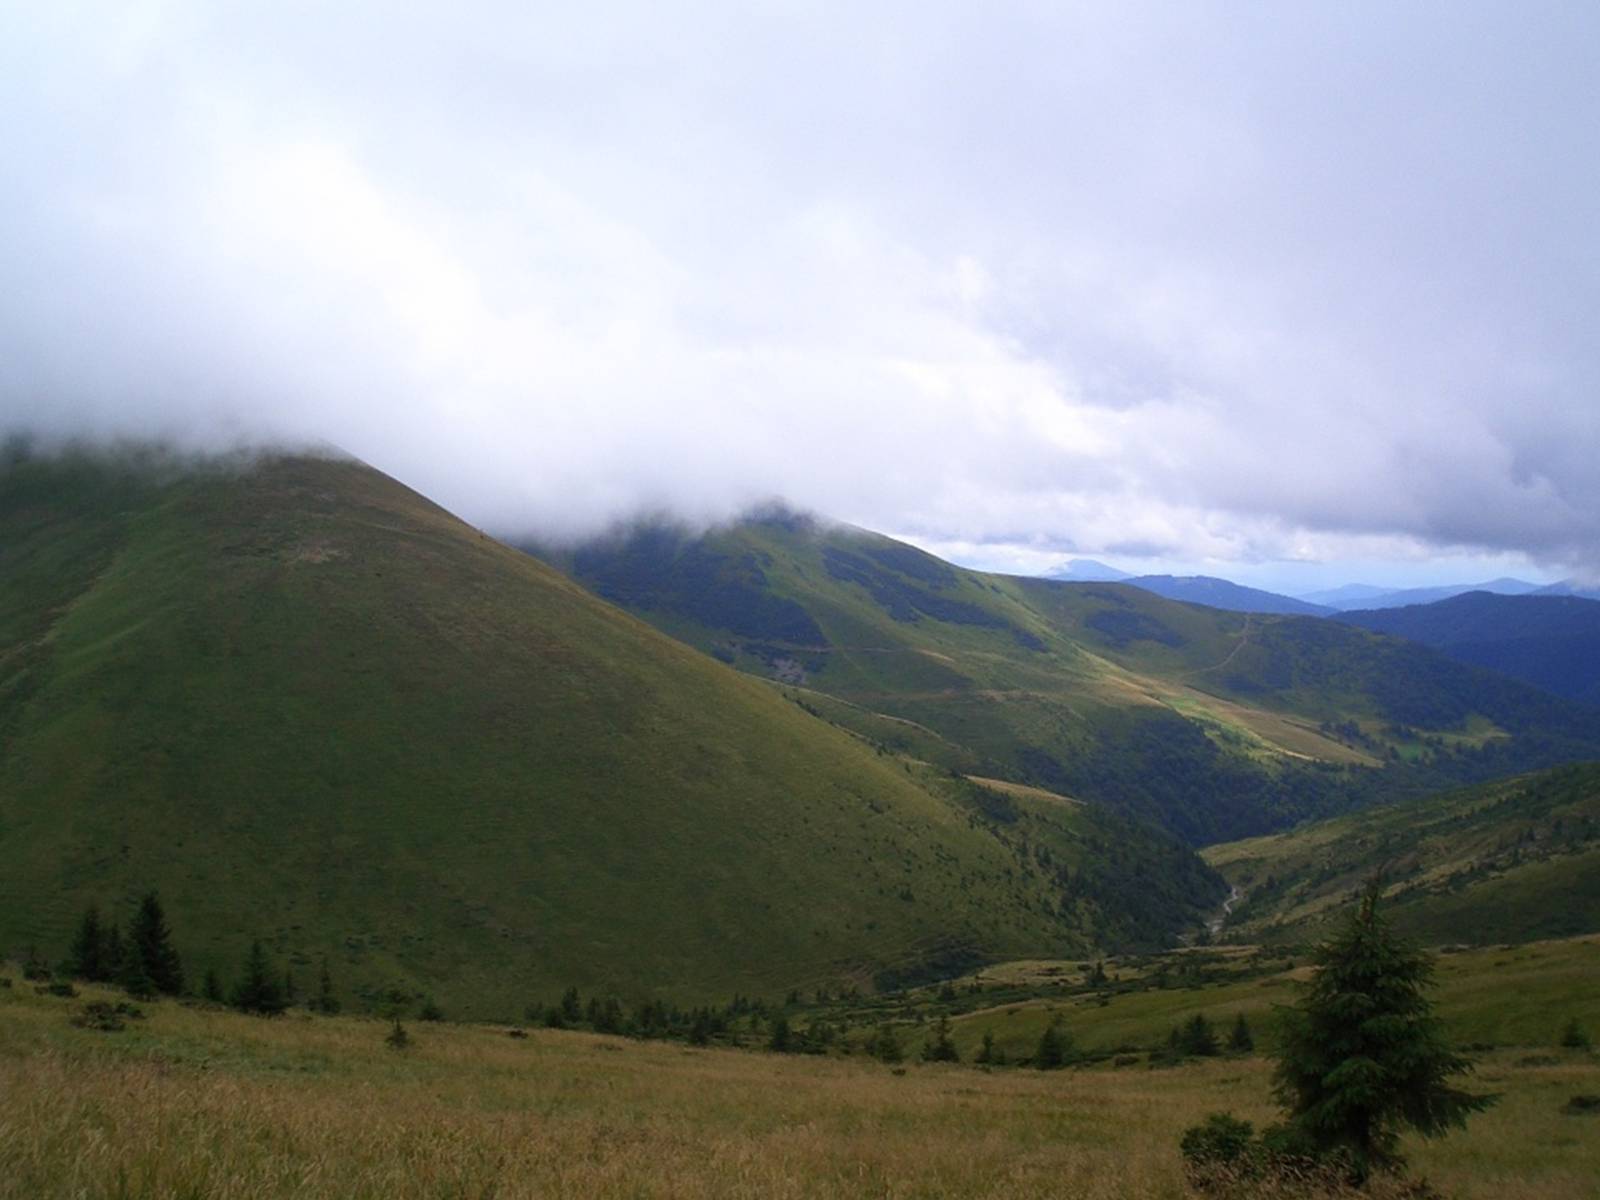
(204, 1103)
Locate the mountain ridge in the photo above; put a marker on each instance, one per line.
(1209, 722)
(307, 704)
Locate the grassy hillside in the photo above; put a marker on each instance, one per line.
(1501, 862)
(308, 705)
(1215, 724)
(198, 1101)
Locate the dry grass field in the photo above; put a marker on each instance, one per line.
(197, 1102)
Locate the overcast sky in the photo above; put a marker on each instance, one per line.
(1223, 287)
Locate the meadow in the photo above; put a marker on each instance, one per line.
(195, 1101)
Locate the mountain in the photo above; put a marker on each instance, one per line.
(1349, 595)
(1222, 593)
(1085, 570)
(1570, 587)
(308, 705)
(1507, 861)
(1550, 641)
(1215, 725)
(1362, 596)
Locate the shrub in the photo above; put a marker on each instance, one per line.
(398, 1038)
(35, 968)
(1221, 1139)
(1575, 1036)
(98, 1014)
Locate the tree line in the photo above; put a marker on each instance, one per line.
(145, 963)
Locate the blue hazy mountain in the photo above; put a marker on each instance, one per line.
(1551, 641)
(1085, 570)
(1225, 594)
(1354, 596)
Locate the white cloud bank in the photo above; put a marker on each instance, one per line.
(1191, 282)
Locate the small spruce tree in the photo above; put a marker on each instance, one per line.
(1051, 1053)
(702, 1027)
(570, 1009)
(211, 989)
(115, 949)
(781, 1040)
(133, 978)
(86, 958)
(940, 1047)
(1197, 1037)
(1362, 1055)
(151, 942)
(1575, 1036)
(885, 1046)
(258, 990)
(1241, 1041)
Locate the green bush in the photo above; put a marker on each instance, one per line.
(1220, 1140)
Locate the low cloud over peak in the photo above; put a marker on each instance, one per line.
(1225, 287)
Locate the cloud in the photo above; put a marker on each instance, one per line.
(1216, 286)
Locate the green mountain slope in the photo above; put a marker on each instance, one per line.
(311, 706)
(1502, 862)
(1214, 724)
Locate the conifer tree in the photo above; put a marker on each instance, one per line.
(782, 1039)
(1051, 1053)
(151, 943)
(940, 1048)
(86, 959)
(115, 950)
(571, 1011)
(133, 978)
(1196, 1037)
(211, 988)
(1363, 1056)
(885, 1046)
(258, 990)
(1240, 1041)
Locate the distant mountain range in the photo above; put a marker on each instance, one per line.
(1215, 592)
(1085, 570)
(1361, 595)
(1224, 594)
(1191, 589)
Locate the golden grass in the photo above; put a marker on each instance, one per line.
(196, 1102)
